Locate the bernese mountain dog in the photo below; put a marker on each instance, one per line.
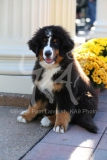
(62, 90)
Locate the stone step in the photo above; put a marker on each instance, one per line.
(16, 100)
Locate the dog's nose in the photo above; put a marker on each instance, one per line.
(48, 53)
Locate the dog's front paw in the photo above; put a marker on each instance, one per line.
(45, 122)
(59, 129)
(21, 118)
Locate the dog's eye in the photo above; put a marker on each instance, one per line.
(55, 41)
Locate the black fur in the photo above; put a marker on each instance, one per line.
(83, 91)
(66, 44)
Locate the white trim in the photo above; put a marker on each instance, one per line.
(16, 84)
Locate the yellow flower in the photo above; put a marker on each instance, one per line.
(97, 46)
(105, 80)
(99, 72)
(99, 81)
(103, 58)
(87, 72)
(90, 67)
(94, 66)
(95, 79)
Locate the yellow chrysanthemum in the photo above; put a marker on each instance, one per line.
(94, 68)
(98, 46)
(99, 81)
(86, 72)
(103, 58)
(95, 79)
(90, 67)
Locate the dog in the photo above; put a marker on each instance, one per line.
(62, 90)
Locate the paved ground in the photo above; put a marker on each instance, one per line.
(76, 144)
(17, 138)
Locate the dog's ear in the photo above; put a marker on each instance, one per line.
(66, 46)
(34, 42)
(33, 46)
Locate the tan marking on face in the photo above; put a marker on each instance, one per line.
(33, 111)
(54, 40)
(57, 86)
(41, 55)
(52, 119)
(59, 58)
(62, 119)
(44, 39)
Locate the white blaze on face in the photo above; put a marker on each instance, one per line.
(48, 48)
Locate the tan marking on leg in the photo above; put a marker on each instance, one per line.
(52, 119)
(62, 119)
(44, 39)
(33, 111)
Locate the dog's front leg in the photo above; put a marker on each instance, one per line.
(38, 106)
(29, 114)
(62, 120)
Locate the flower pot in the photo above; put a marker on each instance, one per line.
(97, 90)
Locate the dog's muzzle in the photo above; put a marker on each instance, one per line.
(49, 58)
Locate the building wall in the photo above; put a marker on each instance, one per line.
(19, 19)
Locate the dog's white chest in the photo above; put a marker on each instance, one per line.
(46, 83)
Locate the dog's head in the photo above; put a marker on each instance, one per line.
(51, 44)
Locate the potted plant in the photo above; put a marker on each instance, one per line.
(97, 46)
(94, 67)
